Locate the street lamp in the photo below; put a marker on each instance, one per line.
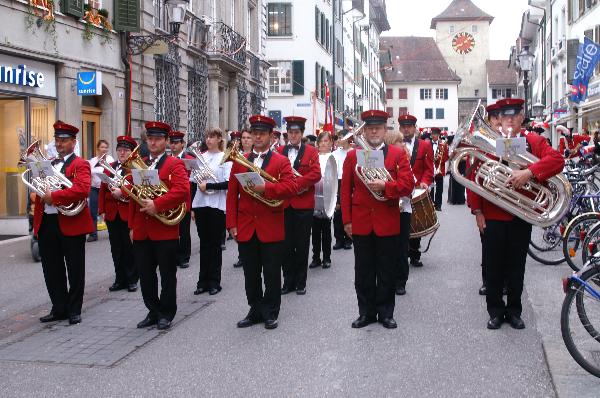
(526, 64)
(538, 109)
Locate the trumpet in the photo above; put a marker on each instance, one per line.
(142, 192)
(437, 159)
(233, 154)
(53, 182)
(205, 173)
(116, 181)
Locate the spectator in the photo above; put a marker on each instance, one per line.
(101, 149)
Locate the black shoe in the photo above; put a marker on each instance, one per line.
(301, 291)
(338, 246)
(416, 263)
(326, 264)
(116, 286)
(271, 324)
(515, 321)
(92, 238)
(148, 321)
(247, 322)
(132, 288)
(200, 290)
(438, 208)
(163, 324)
(400, 290)
(214, 290)
(223, 247)
(238, 264)
(52, 317)
(286, 290)
(389, 323)
(315, 264)
(504, 291)
(482, 290)
(74, 319)
(363, 321)
(184, 265)
(495, 322)
(347, 245)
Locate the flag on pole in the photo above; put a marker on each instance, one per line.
(587, 58)
(328, 110)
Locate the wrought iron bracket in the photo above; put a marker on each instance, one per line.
(139, 43)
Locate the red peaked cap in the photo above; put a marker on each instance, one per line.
(407, 120)
(374, 116)
(295, 122)
(64, 130)
(260, 122)
(126, 142)
(435, 130)
(176, 136)
(493, 109)
(277, 133)
(235, 135)
(157, 128)
(510, 106)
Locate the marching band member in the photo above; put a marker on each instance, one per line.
(506, 237)
(299, 210)
(342, 241)
(321, 224)
(374, 225)
(62, 238)
(209, 214)
(176, 143)
(245, 140)
(259, 228)
(569, 143)
(115, 210)
(421, 161)
(440, 151)
(275, 140)
(155, 243)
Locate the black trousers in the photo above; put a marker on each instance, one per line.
(456, 192)
(338, 227)
(375, 271)
(438, 191)
(321, 238)
(414, 245)
(483, 273)
(297, 242)
(121, 249)
(63, 258)
(148, 255)
(505, 246)
(262, 257)
(210, 223)
(185, 242)
(403, 269)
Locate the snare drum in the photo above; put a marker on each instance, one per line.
(424, 219)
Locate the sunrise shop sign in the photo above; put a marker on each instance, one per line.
(21, 76)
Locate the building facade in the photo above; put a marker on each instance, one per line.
(501, 80)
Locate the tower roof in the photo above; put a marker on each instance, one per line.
(461, 10)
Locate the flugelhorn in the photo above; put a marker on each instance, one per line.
(233, 154)
(204, 173)
(142, 192)
(538, 203)
(116, 181)
(53, 182)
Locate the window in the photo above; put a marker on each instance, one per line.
(390, 111)
(425, 93)
(451, 29)
(428, 113)
(508, 93)
(323, 30)
(95, 4)
(402, 93)
(439, 113)
(441, 93)
(389, 94)
(474, 28)
(280, 77)
(402, 111)
(476, 93)
(496, 93)
(279, 19)
(317, 25)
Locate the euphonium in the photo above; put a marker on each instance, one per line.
(116, 181)
(204, 173)
(233, 154)
(142, 192)
(368, 174)
(54, 182)
(541, 204)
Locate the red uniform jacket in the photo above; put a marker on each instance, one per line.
(550, 164)
(110, 206)
(307, 164)
(422, 166)
(171, 171)
(188, 204)
(564, 143)
(249, 215)
(442, 164)
(77, 170)
(360, 208)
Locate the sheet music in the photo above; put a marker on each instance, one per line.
(42, 168)
(145, 177)
(510, 147)
(372, 159)
(191, 164)
(250, 179)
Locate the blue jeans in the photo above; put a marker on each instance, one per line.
(94, 208)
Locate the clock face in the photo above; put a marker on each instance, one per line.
(463, 43)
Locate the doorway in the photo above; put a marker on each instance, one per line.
(90, 130)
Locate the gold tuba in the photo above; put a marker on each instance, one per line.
(540, 204)
(233, 154)
(204, 173)
(54, 182)
(142, 192)
(368, 174)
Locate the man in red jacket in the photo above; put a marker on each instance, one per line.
(440, 157)
(374, 224)
(421, 161)
(113, 204)
(299, 210)
(570, 144)
(259, 228)
(62, 238)
(506, 237)
(155, 243)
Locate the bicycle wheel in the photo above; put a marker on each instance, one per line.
(573, 237)
(580, 322)
(545, 245)
(591, 243)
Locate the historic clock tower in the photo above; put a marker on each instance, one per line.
(462, 35)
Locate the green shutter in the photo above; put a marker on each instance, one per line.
(127, 15)
(298, 77)
(72, 7)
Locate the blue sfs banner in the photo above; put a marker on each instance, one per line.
(587, 58)
(89, 83)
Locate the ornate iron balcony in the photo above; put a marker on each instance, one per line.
(226, 42)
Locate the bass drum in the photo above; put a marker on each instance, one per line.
(423, 220)
(326, 189)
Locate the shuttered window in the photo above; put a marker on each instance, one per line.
(127, 15)
(72, 7)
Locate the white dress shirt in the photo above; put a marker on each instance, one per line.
(218, 199)
(292, 155)
(340, 155)
(155, 163)
(258, 160)
(97, 169)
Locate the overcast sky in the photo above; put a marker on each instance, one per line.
(413, 18)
